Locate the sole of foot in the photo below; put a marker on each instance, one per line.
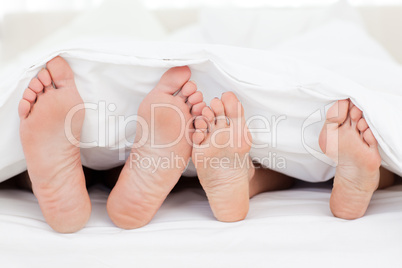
(156, 164)
(347, 139)
(51, 150)
(221, 156)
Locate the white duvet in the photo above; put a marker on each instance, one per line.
(284, 98)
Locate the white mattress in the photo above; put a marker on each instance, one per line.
(292, 228)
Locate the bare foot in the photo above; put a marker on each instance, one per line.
(54, 163)
(142, 188)
(221, 157)
(348, 141)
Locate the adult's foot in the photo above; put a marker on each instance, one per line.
(53, 161)
(347, 139)
(221, 156)
(150, 172)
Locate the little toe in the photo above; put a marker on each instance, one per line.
(233, 107)
(369, 138)
(29, 95)
(174, 79)
(362, 125)
(196, 109)
(338, 112)
(23, 108)
(36, 85)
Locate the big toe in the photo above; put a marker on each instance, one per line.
(233, 107)
(60, 72)
(338, 112)
(174, 79)
(336, 115)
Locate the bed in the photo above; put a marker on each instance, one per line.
(283, 229)
(292, 228)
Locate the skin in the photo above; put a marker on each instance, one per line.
(347, 139)
(54, 163)
(140, 191)
(222, 137)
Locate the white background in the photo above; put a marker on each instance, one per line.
(7, 6)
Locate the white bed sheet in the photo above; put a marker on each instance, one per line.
(292, 228)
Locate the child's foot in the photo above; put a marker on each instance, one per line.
(151, 172)
(54, 163)
(347, 139)
(221, 156)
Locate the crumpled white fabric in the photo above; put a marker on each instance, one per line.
(290, 92)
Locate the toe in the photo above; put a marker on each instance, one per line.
(219, 111)
(200, 123)
(36, 85)
(362, 125)
(337, 115)
(338, 112)
(195, 98)
(29, 95)
(174, 79)
(217, 107)
(181, 95)
(196, 109)
(232, 105)
(201, 130)
(198, 137)
(355, 114)
(188, 89)
(207, 113)
(60, 72)
(24, 108)
(368, 136)
(45, 79)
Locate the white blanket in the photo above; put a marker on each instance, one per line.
(289, 97)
